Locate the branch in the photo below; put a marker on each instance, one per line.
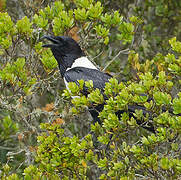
(120, 52)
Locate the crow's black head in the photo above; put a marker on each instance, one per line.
(65, 50)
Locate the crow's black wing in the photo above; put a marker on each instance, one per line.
(99, 78)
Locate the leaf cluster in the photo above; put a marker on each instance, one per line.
(31, 93)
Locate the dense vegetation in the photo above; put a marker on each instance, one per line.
(46, 135)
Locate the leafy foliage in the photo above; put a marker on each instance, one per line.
(31, 93)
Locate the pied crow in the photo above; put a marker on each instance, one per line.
(74, 66)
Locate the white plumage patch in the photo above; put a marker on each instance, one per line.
(83, 62)
(80, 62)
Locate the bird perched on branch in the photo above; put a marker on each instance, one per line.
(74, 66)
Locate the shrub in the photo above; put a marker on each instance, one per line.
(32, 93)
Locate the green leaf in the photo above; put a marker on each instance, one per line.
(48, 60)
(162, 78)
(102, 163)
(176, 45)
(81, 14)
(73, 88)
(63, 22)
(177, 105)
(95, 11)
(164, 163)
(136, 20)
(126, 30)
(117, 18)
(104, 139)
(140, 99)
(89, 85)
(96, 97)
(107, 19)
(40, 21)
(145, 141)
(118, 166)
(20, 62)
(111, 122)
(84, 3)
(24, 26)
(162, 98)
(101, 31)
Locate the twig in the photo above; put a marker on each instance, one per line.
(6, 148)
(15, 153)
(141, 176)
(110, 62)
(97, 55)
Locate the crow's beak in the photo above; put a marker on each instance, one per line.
(52, 39)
